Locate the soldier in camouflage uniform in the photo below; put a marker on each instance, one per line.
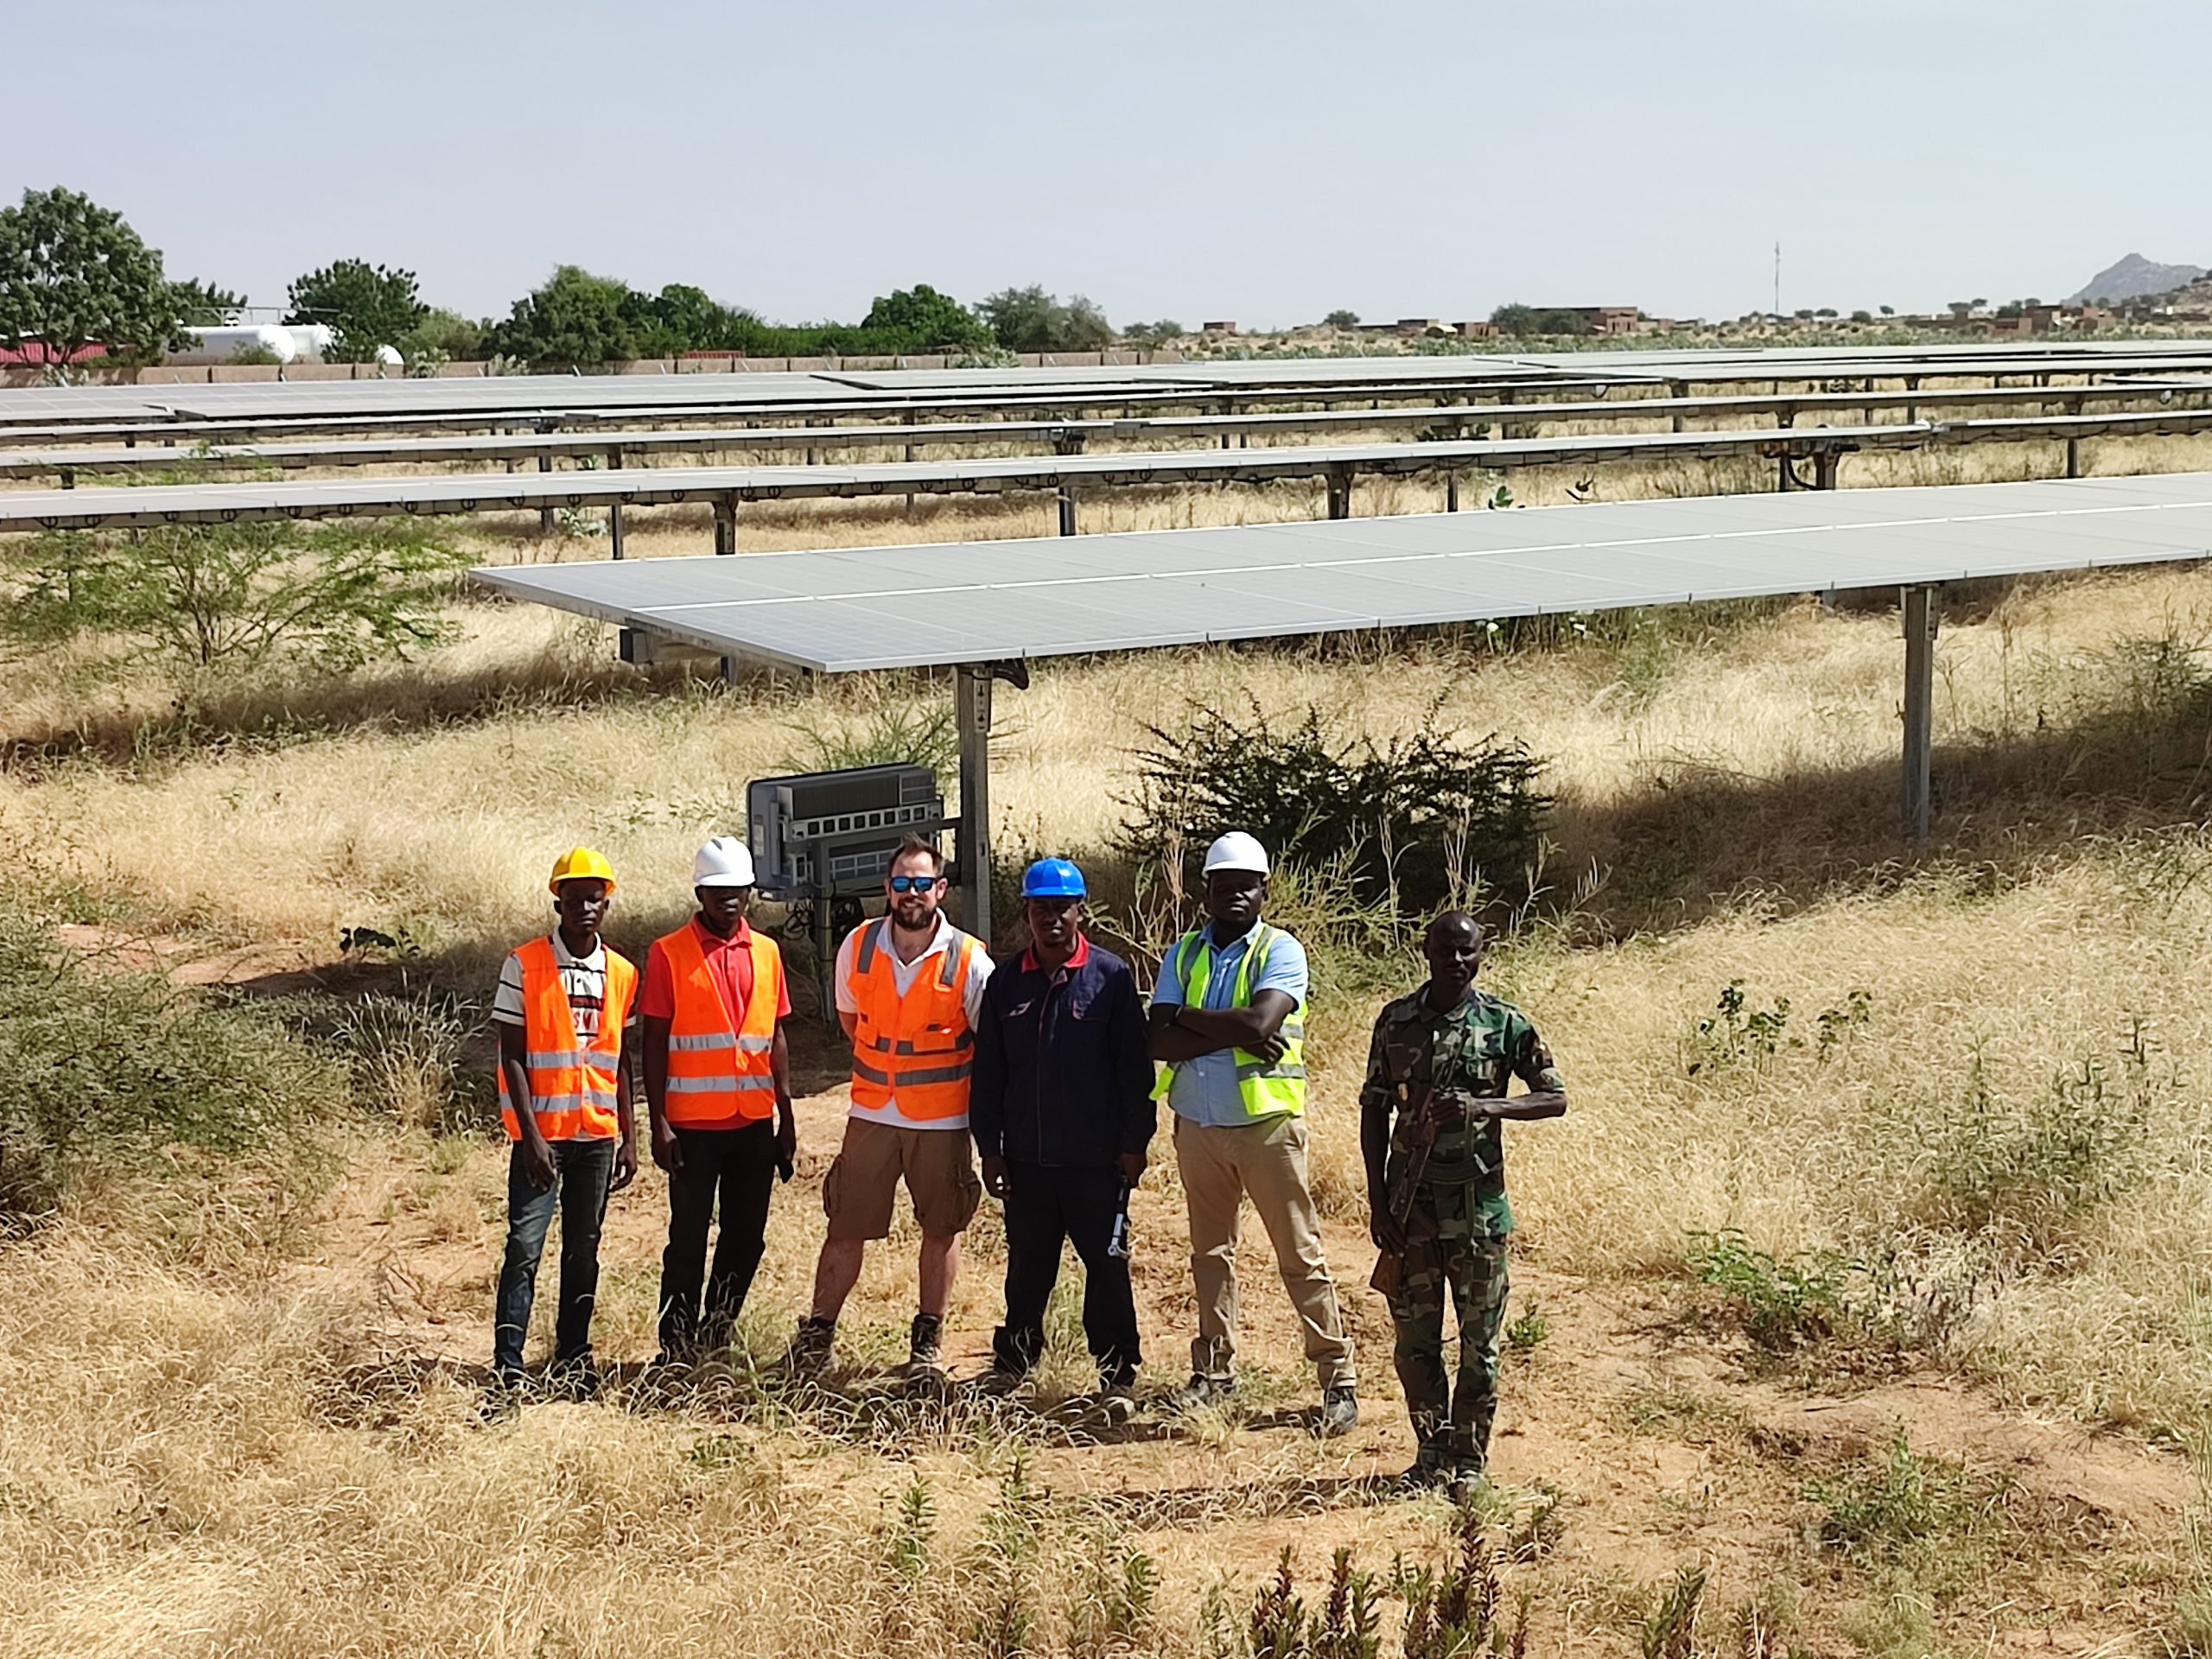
(1444, 1055)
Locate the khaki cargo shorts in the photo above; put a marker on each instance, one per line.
(939, 1166)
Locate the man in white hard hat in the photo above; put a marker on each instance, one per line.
(718, 1085)
(1228, 1018)
(910, 989)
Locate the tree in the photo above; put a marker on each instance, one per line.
(232, 598)
(73, 274)
(205, 306)
(1341, 319)
(1863, 316)
(682, 318)
(576, 320)
(1514, 319)
(1888, 310)
(1825, 311)
(1030, 320)
(442, 336)
(926, 320)
(364, 305)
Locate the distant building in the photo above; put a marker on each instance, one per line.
(1416, 327)
(1221, 328)
(1609, 318)
(1477, 330)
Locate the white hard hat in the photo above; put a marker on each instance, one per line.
(725, 861)
(1236, 851)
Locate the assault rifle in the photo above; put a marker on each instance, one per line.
(1391, 1265)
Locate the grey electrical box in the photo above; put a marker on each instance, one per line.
(825, 833)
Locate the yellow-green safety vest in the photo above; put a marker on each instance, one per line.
(1267, 1091)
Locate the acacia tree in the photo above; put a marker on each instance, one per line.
(365, 306)
(74, 274)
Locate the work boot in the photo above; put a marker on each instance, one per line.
(809, 1353)
(1465, 1481)
(1202, 1390)
(1432, 1467)
(925, 1350)
(1339, 1412)
(1118, 1403)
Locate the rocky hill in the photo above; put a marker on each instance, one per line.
(2134, 277)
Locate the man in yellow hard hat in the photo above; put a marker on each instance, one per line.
(562, 1009)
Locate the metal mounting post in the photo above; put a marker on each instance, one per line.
(614, 528)
(1922, 616)
(972, 714)
(546, 513)
(2073, 457)
(725, 524)
(1339, 490)
(1450, 492)
(1067, 510)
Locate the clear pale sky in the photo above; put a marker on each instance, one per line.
(1263, 159)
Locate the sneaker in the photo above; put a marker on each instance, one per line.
(1339, 1412)
(1117, 1404)
(925, 1354)
(1201, 1390)
(810, 1351)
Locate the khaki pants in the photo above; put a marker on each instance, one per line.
(1267, 1159)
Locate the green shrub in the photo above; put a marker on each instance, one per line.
(2025, 1174)
(1891, 1506)
(1426, 818)
(116, 1069)
(1782, 1305)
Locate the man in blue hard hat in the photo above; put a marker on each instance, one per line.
(1062, 1112)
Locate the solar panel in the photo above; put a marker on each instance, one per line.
(929, 606)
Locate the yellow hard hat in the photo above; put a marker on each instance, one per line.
(578, 863)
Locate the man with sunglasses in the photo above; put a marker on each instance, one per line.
(909, 988)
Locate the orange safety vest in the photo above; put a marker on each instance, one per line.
(716, 1075)
(918, 1046)
(572, 1083)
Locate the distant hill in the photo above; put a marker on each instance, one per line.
(2134, 277)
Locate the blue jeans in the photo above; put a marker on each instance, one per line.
(582, 1171)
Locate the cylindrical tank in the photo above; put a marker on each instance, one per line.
(224, 345)
(312, 340)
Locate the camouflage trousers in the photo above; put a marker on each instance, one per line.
(1451, 1424)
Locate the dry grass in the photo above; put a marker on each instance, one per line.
(205, 1460)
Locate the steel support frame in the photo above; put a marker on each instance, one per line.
(1923, 611)
(1340, 482)
(725, 524)
(972, 714)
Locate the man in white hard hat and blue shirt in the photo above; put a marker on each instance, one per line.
(1228, 1018)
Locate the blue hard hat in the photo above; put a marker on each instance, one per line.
(1052, 878)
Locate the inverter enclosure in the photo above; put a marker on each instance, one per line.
(827, 834)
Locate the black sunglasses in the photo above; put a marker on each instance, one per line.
(914, 883)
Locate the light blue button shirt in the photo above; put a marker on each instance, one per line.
(1205, 1089)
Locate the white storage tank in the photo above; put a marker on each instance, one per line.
(223, 344)
(311, 340)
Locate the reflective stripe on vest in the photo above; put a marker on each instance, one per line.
(1265, 1090)
(915, 1049)
(717, 1075)
(573, 1083)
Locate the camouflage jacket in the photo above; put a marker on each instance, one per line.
(1474, 1049)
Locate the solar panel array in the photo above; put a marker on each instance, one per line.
(122, 506)
(929, 606)
(152, 403)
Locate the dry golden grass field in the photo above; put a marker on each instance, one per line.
(1874, 1290)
